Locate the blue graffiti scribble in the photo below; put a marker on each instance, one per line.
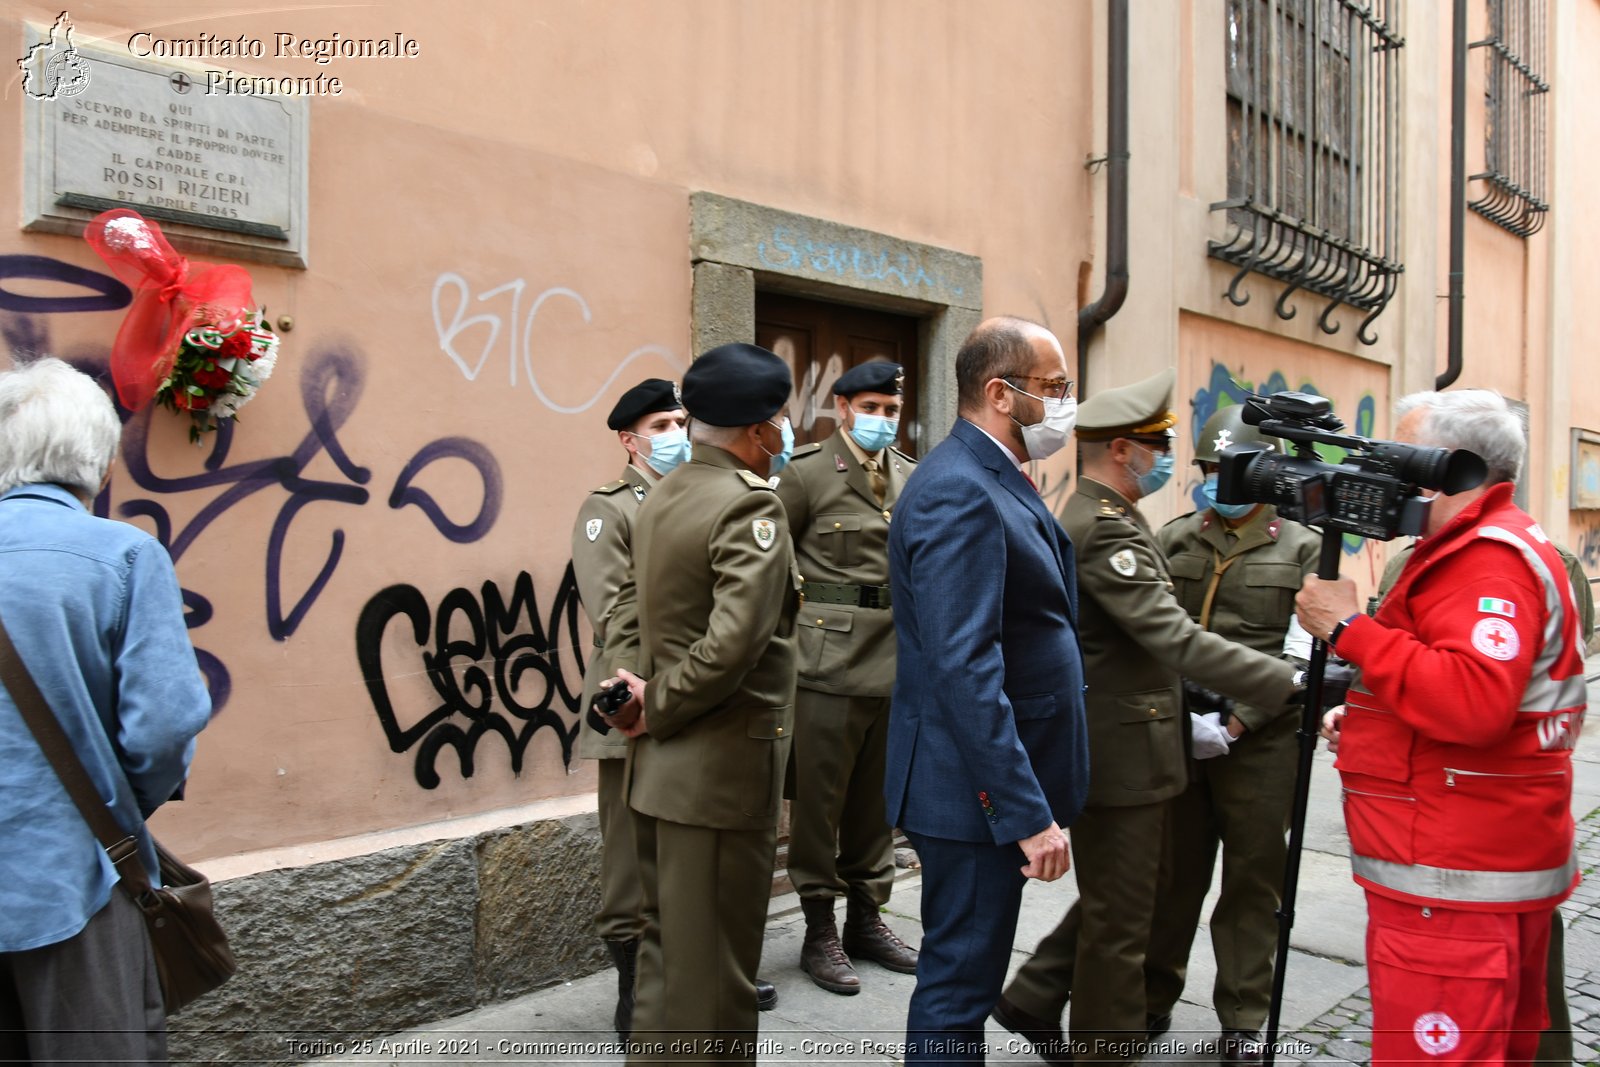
(1223, 390)
(105, 293)
(330, 388)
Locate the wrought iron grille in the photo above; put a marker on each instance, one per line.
(1313, 153)
(1514, 136)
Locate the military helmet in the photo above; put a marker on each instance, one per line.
(1227, 427)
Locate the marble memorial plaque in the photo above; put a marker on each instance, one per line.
(223, 174)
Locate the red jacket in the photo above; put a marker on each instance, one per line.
(1456, 754)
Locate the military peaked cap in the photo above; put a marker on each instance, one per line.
(876, 376)
(646, 398)
(736, 385)
(1141, 409)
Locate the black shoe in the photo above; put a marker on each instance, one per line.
(1241, 1048)
(1156, 1025)
(1046, 1038)
(766, 995)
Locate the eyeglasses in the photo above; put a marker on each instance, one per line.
(1154, 444)
(1053, 388)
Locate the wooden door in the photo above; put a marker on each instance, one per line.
(820, 341)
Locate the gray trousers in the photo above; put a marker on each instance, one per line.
(93, 998)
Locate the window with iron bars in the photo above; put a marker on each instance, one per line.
(1313, 153)
(1514, 91)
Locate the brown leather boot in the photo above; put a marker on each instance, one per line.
(822, 957)
(867, 937)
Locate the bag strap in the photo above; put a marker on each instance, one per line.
(46, 728)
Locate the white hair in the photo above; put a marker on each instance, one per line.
(1478, 420)
(56, 426)
(703, 433)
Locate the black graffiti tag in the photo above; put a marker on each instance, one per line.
(507, 676)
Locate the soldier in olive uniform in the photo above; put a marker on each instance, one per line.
(838, 495)
(1138, 644)
(1235, 569)
(649, 422)
(705, 641)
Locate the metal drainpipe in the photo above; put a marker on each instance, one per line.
(1092, 316)
(1458, 197)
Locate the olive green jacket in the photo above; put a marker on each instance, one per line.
(1252, 598)
(708, 620)
(841, 537)
(602, 553)
(1138, 645)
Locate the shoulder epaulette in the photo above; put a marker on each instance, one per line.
(754, 480)
(610, 487)
(909, 459)
(1108, 510)
(1180, 518)
(805, 450)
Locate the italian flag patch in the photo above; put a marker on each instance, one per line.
(1488, 605)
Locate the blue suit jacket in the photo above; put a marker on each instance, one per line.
(987, 738)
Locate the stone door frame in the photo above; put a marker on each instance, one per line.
(737, 247)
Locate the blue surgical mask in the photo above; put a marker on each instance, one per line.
(780, 460)
(1160, 470)
(667, 449)
(874, 433)
(1227, 511)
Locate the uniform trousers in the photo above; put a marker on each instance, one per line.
(1096, 956)
(705, 912)
(839, 836)
(971, 895)
(93, 998)
(1243, 801)
(1454, 986)
(620, 896)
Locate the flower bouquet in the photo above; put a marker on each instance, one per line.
(190, 340)
(219, 367)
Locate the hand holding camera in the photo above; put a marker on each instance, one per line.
(619, 703)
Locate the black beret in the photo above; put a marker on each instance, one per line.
(876, 376)
(646, 398)
(736, 385)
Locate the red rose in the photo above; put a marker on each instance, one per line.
(237, 345)
(199, 403)
(213, 377)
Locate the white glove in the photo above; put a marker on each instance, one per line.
(1209, 735)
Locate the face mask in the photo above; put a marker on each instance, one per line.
(667, 449)
(780, 459)
(874, 433)
(1160, 470)
(1047, 436)
(1227, 511)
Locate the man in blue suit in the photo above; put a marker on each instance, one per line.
(987, 753)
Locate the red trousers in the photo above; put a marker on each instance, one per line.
(1455, 986)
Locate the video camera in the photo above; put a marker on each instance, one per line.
(1373, 493)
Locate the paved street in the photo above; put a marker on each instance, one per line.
(1326, 1013)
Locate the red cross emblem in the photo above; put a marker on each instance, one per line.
(1437, 1034)
(1496, 638)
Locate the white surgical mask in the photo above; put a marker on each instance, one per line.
(1050, 434)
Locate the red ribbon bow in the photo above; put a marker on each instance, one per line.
(169, 299)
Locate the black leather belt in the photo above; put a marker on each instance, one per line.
(859, 596)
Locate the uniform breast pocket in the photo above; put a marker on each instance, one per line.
(1276, 583)
(1188, 571)
(840, 536)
